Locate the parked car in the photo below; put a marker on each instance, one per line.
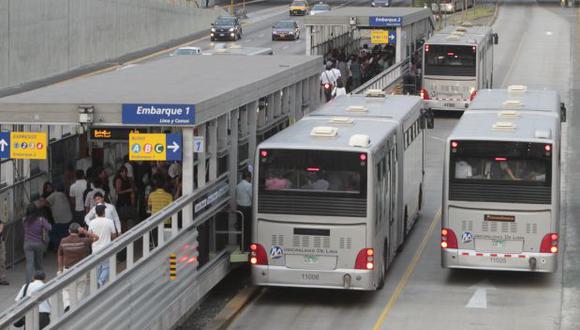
(188, 51)
(286, 30)
(299, 7)
(381, 3)
(319, 8)
(226, 28)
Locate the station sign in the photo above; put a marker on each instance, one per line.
(155, 146)
(23, 145)
(385, 21)
(159, 114)
(385, 37)
(198, 144)
(112, 133)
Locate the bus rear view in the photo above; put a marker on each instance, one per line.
(457, 62)
(501, 194)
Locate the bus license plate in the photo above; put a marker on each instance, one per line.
(310, 276)
(449, 105)
(498, 260)
(498, 243)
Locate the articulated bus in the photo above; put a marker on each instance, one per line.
(457, 62)
(329, 192)
(501, 190)
(451, 6)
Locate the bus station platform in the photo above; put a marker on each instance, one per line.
(179, 110)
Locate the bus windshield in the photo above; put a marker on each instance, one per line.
(316, 172)
(450, 60)
(514, 163)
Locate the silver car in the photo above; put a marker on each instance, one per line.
(319, 8)
(381, 3)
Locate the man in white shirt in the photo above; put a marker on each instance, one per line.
(110, 212)
(336, 71)
(44, 307)
(90, 198)
(328, 76)
(105, 229)
(244, 202)
(77, 190)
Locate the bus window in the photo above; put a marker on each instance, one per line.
(449, 60)
(306, 172)
(518, 163)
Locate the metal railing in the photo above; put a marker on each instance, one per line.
(386, 78)
(202, 204)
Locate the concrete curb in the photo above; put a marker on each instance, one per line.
(233, 308)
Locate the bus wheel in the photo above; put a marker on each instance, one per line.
(383, 274)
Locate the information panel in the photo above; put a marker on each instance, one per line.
(159, 114)
(23, 145)
(155, 147)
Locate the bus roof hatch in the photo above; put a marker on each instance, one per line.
(356, 108)
(513, 104)
(341, 120)
(508, 114)
(359, 140)
(503, 125)
(543, 133)
(324, 131)
(517, 89)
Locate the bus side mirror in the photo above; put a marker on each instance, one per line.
(562, 112)
(495, 39)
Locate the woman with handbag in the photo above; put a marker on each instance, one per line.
(36, 238)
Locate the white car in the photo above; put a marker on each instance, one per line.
(319, 8)
(188, 51)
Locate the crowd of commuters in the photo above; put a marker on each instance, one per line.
(351, 71)
(84, 214)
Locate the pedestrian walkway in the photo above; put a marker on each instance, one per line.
(17, 277)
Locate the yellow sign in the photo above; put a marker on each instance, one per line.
(28, 145)
(379, 37)
(147, 146)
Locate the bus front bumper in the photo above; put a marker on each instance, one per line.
(446, 105)
(349, 279)
(529, 262)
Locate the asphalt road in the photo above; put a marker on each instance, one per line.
(257, 28)
(535, 50)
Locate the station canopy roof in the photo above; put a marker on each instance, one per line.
(366, 15)
(215, 84)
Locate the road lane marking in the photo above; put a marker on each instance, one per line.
(410, 269)
(514, 60)
(478, 300)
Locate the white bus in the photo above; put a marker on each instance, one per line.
(450, 6)
(457, 62)
(328, 194)
(517, 99)
(501, 190)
